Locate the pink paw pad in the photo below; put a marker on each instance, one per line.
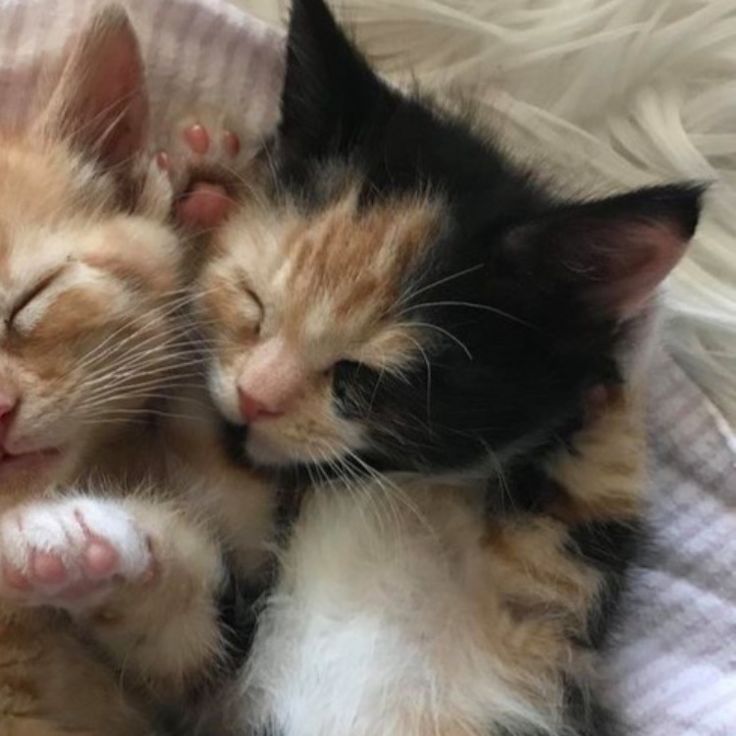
(100, 559)
(197, 138)
(15, 578)
(70, 553)
(231, 143)
(205, 205)
(163, 161)
(48, 568)
(201, 158)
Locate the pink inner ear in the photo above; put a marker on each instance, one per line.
(116, 103)
(100, 101)
(638, 259)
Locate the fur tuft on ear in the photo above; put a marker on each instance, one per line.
(329, 90)
(100, 102)
(613, 252)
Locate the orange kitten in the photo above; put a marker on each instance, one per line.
(91, 338)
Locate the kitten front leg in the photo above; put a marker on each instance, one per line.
(136, 575)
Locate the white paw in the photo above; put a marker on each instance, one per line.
(70, 553)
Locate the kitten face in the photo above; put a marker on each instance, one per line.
(293, 303)
(83, 287)
(405, 297)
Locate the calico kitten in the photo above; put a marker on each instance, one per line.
(458, 354)
(99, 516)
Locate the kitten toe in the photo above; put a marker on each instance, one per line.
(70, 554)
(197, 138)
(115, 546)
(163, 161)
(15, 579)
(230, 143)
(48, 568)
(100, 559)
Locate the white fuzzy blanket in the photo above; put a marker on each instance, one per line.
(606, 94)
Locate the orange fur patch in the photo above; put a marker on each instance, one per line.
(356, 260)
(605, 478)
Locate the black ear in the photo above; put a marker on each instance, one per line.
(611, 253)
(330, 92)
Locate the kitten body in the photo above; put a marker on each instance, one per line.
(454, 360)
(111, 563)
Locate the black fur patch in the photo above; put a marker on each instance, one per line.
(610, 547)
(528, 287)
(585, 716)
(233, 437)
(239, 606)
(522, 488)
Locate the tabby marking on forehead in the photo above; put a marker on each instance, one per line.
(350, 264)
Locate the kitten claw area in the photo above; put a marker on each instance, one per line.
(201, 158)
(70, 554)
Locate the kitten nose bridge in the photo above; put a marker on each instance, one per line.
(273, 378)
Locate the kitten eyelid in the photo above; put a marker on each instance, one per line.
(252, 294)
(41, 285)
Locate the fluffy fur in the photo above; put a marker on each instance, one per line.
(596, 92)
(104, 533)
(407, 316)
(456, 351)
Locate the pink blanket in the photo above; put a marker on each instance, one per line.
(197, 52)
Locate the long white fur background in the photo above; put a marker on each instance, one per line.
(602, 94)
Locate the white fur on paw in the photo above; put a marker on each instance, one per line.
(70, 553)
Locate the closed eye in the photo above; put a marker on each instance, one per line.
(248, 291)
(34, 292)
(255, 298)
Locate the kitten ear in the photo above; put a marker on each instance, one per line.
(613, 252)
(329, 90)
(100, 103)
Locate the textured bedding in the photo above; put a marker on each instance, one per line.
(673, 669)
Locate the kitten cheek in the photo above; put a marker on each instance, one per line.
(312, 435)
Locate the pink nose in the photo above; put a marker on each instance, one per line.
(253, 409)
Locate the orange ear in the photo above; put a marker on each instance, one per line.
(100, 102)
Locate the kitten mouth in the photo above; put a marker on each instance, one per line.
(27, 461)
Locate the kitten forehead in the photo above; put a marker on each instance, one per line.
(346, 266)
(43, 180)
(328, 279)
